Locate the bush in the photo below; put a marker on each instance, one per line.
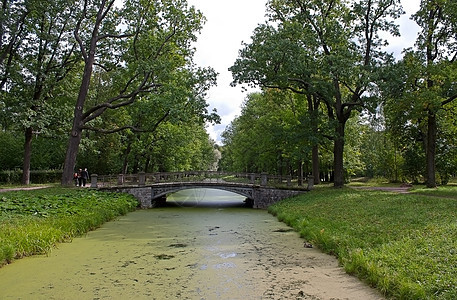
(10, 177)
(36, 177)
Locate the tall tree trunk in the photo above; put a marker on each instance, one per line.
(78, 119)
(147, 163)
(316, 169)
(300, 173)
(338, 151)
(136, 163)
(430, 150)
(78, 122)
(70, 157)
(126, 157)
(27, 156)
(313, 111)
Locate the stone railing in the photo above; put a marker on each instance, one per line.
(142, 179)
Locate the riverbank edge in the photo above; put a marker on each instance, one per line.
(399, 258)
(34, 221)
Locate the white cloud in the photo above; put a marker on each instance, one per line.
(408, 29)
(231, 22)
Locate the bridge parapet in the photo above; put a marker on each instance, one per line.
(142, 179)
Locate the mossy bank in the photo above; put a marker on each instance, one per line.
(34, 221)
(403, 244)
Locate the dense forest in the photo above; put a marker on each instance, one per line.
(114, 88)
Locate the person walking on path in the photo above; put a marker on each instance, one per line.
(80, 179)
(84, 176)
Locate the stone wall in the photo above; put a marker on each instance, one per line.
(264, 197)
(142, 194)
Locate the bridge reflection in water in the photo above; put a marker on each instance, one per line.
(151, 190)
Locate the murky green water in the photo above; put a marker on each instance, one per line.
(194, 249)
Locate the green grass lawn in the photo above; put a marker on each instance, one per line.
(449, 191)
(34, 221)
(404, 244)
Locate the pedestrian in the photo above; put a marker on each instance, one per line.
(75, 178)
(84, 176)
(80, 179)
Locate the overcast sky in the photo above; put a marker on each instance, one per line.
(229, 23)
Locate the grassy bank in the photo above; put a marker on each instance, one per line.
(34, 221)
(404, 244)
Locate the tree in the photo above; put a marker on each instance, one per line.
(143, 51)
(12, 30)
(271, 135)
(336, 50)
(37, 55)
(434, 86)
(421, 86)
(275, 60)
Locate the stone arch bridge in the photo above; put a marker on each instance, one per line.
(151, 190)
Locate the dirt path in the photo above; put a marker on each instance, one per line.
(399, 189)
(23, 188)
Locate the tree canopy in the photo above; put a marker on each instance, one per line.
(328, 50)
(127, 70)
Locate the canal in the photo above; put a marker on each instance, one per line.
(203, 245)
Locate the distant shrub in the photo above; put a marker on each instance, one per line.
(36, 176)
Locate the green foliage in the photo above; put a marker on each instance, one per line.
(10, 177)
(146, 63)
(407, 109)
(181, 147)
(147, 76)
(405, 245)
(353, 159)
(331, 52)
(33, 222)
(36, 58)
(423, 86)
(48, 151)
(273, 134)
(11, 149)
(37, 177)
(379, 155)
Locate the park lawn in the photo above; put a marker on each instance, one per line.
(448, 191)
(403, 244)
(35, 221)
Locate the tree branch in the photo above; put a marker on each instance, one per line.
(76, 32)
(114, 130)
(121, 36)
(97, 110)
(449, 100)
(132, 128)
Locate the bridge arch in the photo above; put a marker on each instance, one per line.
(205, 197)
(161, 192)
